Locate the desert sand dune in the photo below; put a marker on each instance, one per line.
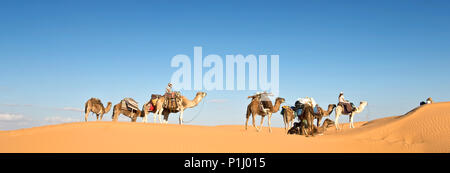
(425, 129)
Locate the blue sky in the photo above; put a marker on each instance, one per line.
(55, 55)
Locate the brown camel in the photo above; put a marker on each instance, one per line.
(185, 103)
(254, 109)
(308, 115)
(301, 129)
(323, 113)
(96, 106)
(288, 117)
(146, 108)
(117, 110)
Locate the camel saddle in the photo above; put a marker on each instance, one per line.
(130, 104)
(172, 101)
(289, 109)
(265, 103)
(348, 107)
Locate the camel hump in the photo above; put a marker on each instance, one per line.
(156, 96)
(267, 104)
(95, 100)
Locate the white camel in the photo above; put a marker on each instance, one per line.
(340, 109)
(184, 104)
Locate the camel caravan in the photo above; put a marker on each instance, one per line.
(159, 105)
(306, 110)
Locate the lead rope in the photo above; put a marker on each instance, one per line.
(198, 113)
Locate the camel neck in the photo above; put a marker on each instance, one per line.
(191, 103)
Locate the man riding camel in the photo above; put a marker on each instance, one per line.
(169, 88)
(172, 95)
(348, 106)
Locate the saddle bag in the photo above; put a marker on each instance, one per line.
(130, 105)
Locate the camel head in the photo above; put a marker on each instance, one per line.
(279, 99)
(332, 106)
(201, 94)
(330, 109)
(430, 100)
(363, 103)
(108, 107)
(361, 106)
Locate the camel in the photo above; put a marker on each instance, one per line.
(288, 117)
(300, 129)
(185, 103)
(254, 109)
(308, 115)
(430, 100)
(96, 106)
(117, 110)
(340, 109)
(146, 108)
(329, 122)
(323, 113)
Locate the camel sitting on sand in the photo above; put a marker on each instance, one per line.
(329, 122)
(429, 101)
(185, 103)
(301, 129)
(254, 108)
(340, 111)
(96, 106)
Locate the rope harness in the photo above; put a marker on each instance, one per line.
(198, 113)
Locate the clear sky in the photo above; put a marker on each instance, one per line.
(55, 55)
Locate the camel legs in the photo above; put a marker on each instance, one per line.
(260, 126)
(101, 117)
(270, 128)
(133, 118)
(336, 121)
(159, 113)
(246, 121)
(86, 116)
(310, 124)
(116, 117)
(286, 123)
(351, 120)
(97, 116)
(154, 118)
(166, 117)
(145, 118)
(318, 121)
(181, 117)
(253, 120)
